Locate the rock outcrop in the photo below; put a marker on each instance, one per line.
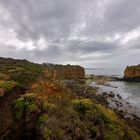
(64, 72)
(132, 73)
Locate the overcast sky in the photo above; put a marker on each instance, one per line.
(91, 33)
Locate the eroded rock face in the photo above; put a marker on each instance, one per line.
(64, 72)
(132, 73)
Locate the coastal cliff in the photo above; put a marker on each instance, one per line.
(64, 72)
(36, 103)
(132, 73)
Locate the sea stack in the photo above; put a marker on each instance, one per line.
(132, 73)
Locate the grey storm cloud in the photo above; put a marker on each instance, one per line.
(49, 18)
(86, 47)
(71, 31)
(119, 17)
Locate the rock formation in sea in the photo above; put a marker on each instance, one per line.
(132, 73)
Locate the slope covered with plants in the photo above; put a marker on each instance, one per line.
(33, 106)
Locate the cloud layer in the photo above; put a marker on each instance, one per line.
(99, 33)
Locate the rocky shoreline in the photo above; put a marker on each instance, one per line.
(114, 101)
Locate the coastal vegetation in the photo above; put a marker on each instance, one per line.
(36, 106)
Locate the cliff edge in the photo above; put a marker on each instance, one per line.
(64, 72)
(132, 73)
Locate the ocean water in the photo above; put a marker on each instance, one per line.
(109, 72)
(129, 91)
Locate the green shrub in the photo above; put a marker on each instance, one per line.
(47, 133)
(104, 118)
(82, 105)
(43, 118)
(60, 133)
(19, 106)
(31, 107)
(23, 79)
(94, 131)
(8, 85)
(24, 103)
(48, 106)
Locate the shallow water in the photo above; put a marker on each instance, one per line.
(129, 91)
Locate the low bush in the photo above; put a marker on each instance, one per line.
(82, 105)
(48, 106)
(7, 85)
(46, 134)
(24, 103)
(42, 120)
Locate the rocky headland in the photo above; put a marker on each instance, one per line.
(58, 72)
(132, 73)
